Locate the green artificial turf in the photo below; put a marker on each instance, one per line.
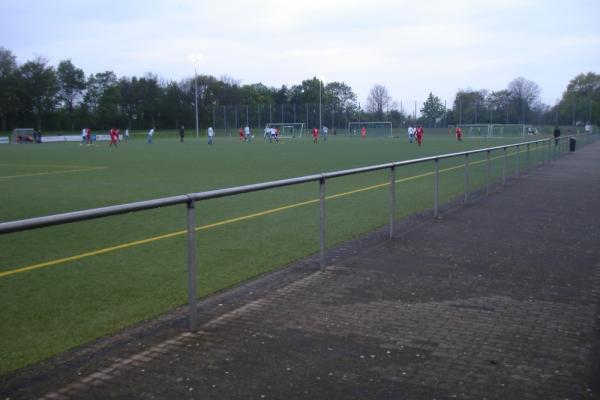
(98, 289)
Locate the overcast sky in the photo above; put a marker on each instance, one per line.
(411, 47)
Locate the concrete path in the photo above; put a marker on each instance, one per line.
(498, 300)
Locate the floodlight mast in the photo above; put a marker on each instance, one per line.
(320, 113)
(321, 78)
(196, 59)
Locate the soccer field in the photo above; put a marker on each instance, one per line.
(63, 286)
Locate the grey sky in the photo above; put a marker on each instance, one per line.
(411, 47)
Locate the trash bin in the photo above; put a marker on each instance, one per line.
(572, 143)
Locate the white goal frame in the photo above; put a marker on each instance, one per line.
(472, 130)
(521, 127)
(291, 129)
(359, 125)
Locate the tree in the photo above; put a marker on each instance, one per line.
(497, 103)
(581, 101)
(523, 95)
(468, 107)
(340, 96)
(172, 107)
(39, 88)
(102, 98)
(71, 83)
(379, 100)
(8, 87)
(432, 109)
(306, 92)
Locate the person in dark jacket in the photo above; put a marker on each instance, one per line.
(556, 134)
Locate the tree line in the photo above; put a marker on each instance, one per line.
(36, 94)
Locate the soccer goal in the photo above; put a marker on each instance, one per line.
(472, 130)
(288, 129)
(508, 130)
(372, 129)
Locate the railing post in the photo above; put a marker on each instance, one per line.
(504, 166)
(487, 172)
(392, 200)
(436, 189)
(192, 262)
(466, 179)
(322, 223)
(527, 165)
(517, 162)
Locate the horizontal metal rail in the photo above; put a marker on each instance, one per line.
(65, 218)
(560, 148)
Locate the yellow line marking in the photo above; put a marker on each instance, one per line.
(53, 172)
(225, 222)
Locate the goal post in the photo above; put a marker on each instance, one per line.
(508, 130)
(472, 130)
(288, 129)
(373, 129)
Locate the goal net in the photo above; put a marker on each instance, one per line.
(472, 130)
(288, 129)
(372, 129)
(508, 130)
(22, 135)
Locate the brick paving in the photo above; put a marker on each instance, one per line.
(498, 300)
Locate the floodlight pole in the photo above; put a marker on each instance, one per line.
(196, 59)
(196, 102)
(320, 115)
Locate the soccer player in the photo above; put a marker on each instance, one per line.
(247, 133)
(113, 137)
(242, 135)
(411, 134)
(127, 134)
(458, 133)
(325, 131)
(267, 134)
(419, 135)
(274, 134)
(150, 135)
(363, 131)
(181, 133)
(210, 134)
(88, 135)
(83, 136)
(315, 133)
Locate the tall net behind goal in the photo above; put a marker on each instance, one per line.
(371, 129)
(288, 129)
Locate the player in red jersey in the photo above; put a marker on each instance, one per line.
(315, 133)
(113, 137)
(242, 136)
(363, 131)
(419, 135)
(458, 133)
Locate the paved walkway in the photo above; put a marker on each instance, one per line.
(499, 300)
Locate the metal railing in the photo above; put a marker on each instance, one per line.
(552, 152)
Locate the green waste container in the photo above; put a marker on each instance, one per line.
(572, 143)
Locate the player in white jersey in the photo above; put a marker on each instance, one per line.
(411, 134)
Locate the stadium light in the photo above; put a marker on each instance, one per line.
(321, 79)
(196, 59)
